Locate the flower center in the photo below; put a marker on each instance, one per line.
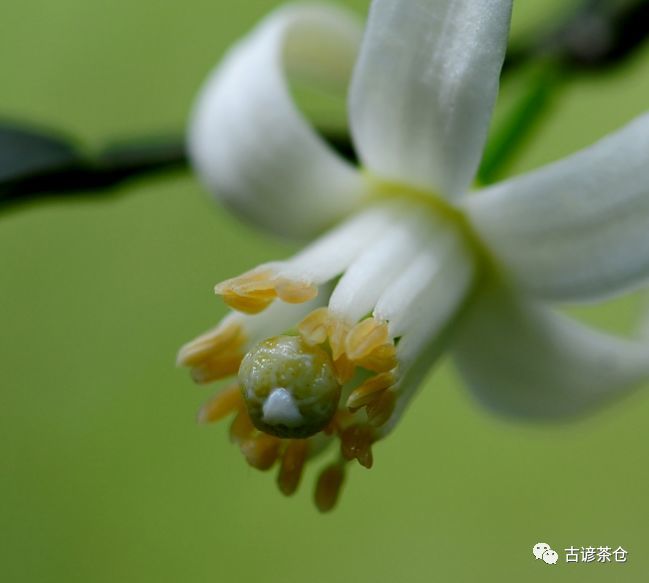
(289, 387)
(379, 189)
(315, 364)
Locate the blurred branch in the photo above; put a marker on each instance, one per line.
(597, 35)
(34, 164)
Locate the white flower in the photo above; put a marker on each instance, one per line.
(346, 329)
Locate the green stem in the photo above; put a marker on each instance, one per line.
(520, 124)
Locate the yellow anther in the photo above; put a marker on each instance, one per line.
(343, 418)
(356, 443)
(369, 391)
(259, 282)
(381, 359)
(250, 293)
(217, 367)
(290, 470)
(226, 336)
(344, 369)
(221, 405)
(337, 331)
(328, 487)
(242, 427)
(246, 304)
(261, 451)
(366, 337)
(313, 327)
(369, 346)
(380, 410)
(254, 291)
(295, 292)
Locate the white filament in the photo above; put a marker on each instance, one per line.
(360, 287)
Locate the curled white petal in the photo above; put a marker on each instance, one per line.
(424, 88)
(577, 229)
(525, 360)
(249, 142)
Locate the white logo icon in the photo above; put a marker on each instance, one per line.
(539, 549)
(543, 551)
(550, 557)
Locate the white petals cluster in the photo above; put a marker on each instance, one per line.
(420, 264)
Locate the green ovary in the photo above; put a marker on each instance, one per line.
(289, 387)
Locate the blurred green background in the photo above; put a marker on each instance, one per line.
(105, 474)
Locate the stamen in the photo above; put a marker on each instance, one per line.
(337, 331)
(381, 359)
(241, 428)
(254, 291)
(251, 292)
(369, 345)
(328, 487)
(295, 292)
(257, 282)
(380, 263)
(341, 419)
(216, 354)
(218, 367)
(313, 328)
(366, 337)
(369, 391)
(430, 287)
(380, 410)
(229, 335)
(246, 304)
(356, 443)
(344, 369)
(290, 471)
(261, 451)
(221, 405)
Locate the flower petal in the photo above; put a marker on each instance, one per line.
(577, 229)
(431, 322)
(249, 142)
(380, 263)
(525, 360)
(424, 88)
